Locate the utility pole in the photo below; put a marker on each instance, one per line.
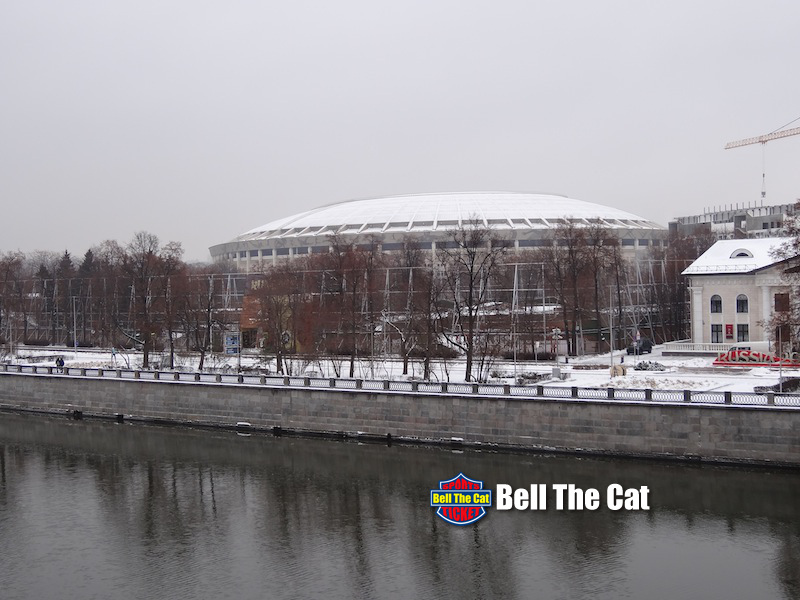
(514, 321)
(544, 317)
(611, 327)
(74, 330)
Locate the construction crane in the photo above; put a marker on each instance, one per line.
(763, 139)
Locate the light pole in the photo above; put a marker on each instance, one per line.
(74, 330)
(780, 360)
(514, 322)
(544, 316)
(556, 340)
(611, 328)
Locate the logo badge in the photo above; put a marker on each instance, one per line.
(461, 500)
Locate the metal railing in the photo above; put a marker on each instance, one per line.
(495, 390)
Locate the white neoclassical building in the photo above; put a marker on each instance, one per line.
(736, 286)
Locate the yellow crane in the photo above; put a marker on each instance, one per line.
(763, 139)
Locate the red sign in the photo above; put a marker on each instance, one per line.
(729, 331)
(751, 358)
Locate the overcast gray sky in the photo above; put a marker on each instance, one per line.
(198, 120)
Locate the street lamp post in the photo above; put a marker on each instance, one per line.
(556, 339)
(611, 339)
(74, 329)
(780, 359)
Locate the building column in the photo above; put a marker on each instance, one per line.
(697, 314)
(766, 312)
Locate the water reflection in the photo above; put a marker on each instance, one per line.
(92, 509)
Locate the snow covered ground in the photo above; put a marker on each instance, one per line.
(681, 372)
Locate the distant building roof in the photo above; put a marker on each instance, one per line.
(442, 211)
(737, 256)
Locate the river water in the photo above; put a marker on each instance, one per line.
(104, 510)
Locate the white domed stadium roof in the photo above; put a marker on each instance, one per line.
(439, 212)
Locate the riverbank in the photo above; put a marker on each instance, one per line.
(719, 433)
(694, 373)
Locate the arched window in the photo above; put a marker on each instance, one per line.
(742, 253)
(742, 304)
(716, 303)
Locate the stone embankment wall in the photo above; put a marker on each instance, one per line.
(726, 433)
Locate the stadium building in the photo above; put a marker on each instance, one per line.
(519, 220)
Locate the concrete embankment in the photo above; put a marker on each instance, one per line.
(714, 433)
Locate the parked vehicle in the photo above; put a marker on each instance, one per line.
(640, 346)
(754, 346)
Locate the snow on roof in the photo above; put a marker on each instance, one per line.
(442, 211)
(737, 256)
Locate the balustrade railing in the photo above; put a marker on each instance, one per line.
(686, 347)
(496, 390)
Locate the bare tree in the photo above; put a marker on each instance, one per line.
(784, 323)
(198, 306)
(171, 270)
(352, 271)
(146, 263)
(278, 293)
(600, 243)
(681, 251)
(468, 260)
(413, 314)
(565, 263)
(10, 269)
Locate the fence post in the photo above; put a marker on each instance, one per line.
(415, 386)
(507, 389)
(687, 395)
(444, 387)
(119, 373)
(262, 379)
(728, 397)
(307, 381)
(332, 382)
(386, 384)
(540, 390)
(99, 372)
(49, 370)
(610, 393)
(770, 397)
(475, 388)
(136, 374)
(156, 375)
(218, 378)
(648, 394)
(240, 378)
(574, 392)
(197, 376)
(359, 384)
(19, 368)
(176, 376)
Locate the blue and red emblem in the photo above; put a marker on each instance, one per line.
(461, 500)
